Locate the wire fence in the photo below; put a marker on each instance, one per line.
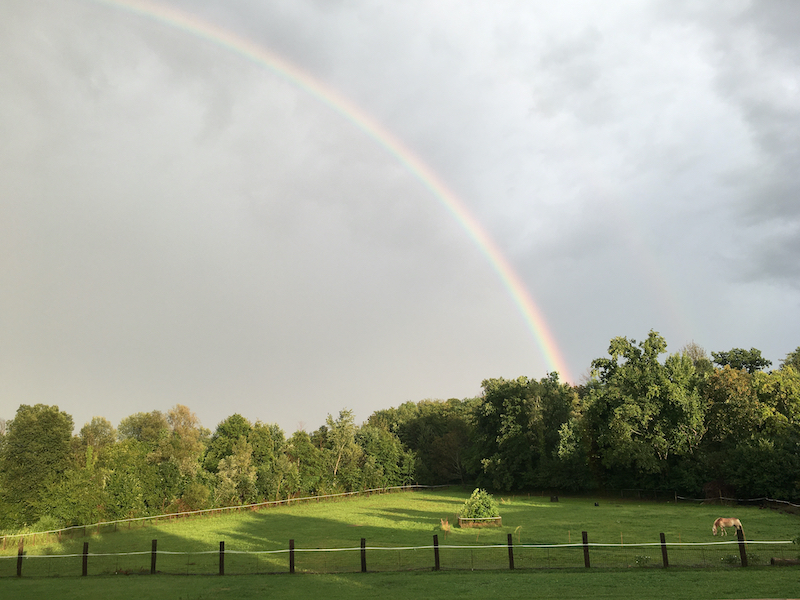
(671, 495)
(363, 558)
(762, 501)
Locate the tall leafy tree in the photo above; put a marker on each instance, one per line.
(385, 462)
(184, 442)
(144, 427)
(309, 461)
(507, 426)
(224, 437)
(236, 475)
(792, 360)
(437, 433)
(268, 442)
(735, 412)
(739, 358)
(516, 428)
(92, 441)
(780, 390)
(345, 456)
(79, 497)
(641, 412)
(132, 484)
(35, 454)
(697, 354)
(273, 469)
(98, 434)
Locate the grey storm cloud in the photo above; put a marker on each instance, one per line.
(179, 224)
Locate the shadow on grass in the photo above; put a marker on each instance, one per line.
(258, 541)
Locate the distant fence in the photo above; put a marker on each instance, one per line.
(762, 501)
(31, 536)
(671, 495)
(363, 558)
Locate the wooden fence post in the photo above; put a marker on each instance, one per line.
(435, 552)
(664, 557)
(222, 558)
(363, 555)
(20, 553)
(291, 556)
(510, 552)
(85, 565)
(585, 549)
(153, 553)
(742, 549)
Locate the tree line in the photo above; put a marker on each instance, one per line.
(640, 420)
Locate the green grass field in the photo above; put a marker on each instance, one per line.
(391, 524)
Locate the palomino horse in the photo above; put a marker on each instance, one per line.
(721, 524)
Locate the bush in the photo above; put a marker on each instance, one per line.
(480, 505)
(47, 523)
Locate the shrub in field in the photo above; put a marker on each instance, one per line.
(47, 523)
(480, 505)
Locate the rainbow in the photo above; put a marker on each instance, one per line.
(220, 36)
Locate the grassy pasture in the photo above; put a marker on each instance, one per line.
(401, 520)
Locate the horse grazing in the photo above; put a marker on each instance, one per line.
(721, 524)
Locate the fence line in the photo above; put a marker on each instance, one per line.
(454, 556)
(424, 547)
(762, 499)
(252, 506)
(395, 548)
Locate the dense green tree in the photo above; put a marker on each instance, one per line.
(765, 465)
(132, 482)
(739, 358)
(780, 390)
(224, 437)
(559, 407)
(35, 455)
(345, 456)
(437, 433)
(734, 412)
(97, 434)
(236, 476)
(507, 426)
(184, 443)
(386, 463)
(697, 354)
(144, 427)
(641, 412)
(79, 497)
(516, 429)
(277, 479)
(268, 442)
(792, 360)
(196, 496)
(309, 460)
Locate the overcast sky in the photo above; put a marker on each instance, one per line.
(181, 225)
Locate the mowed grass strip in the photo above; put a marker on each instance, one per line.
(672, 584)
(257, 541)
